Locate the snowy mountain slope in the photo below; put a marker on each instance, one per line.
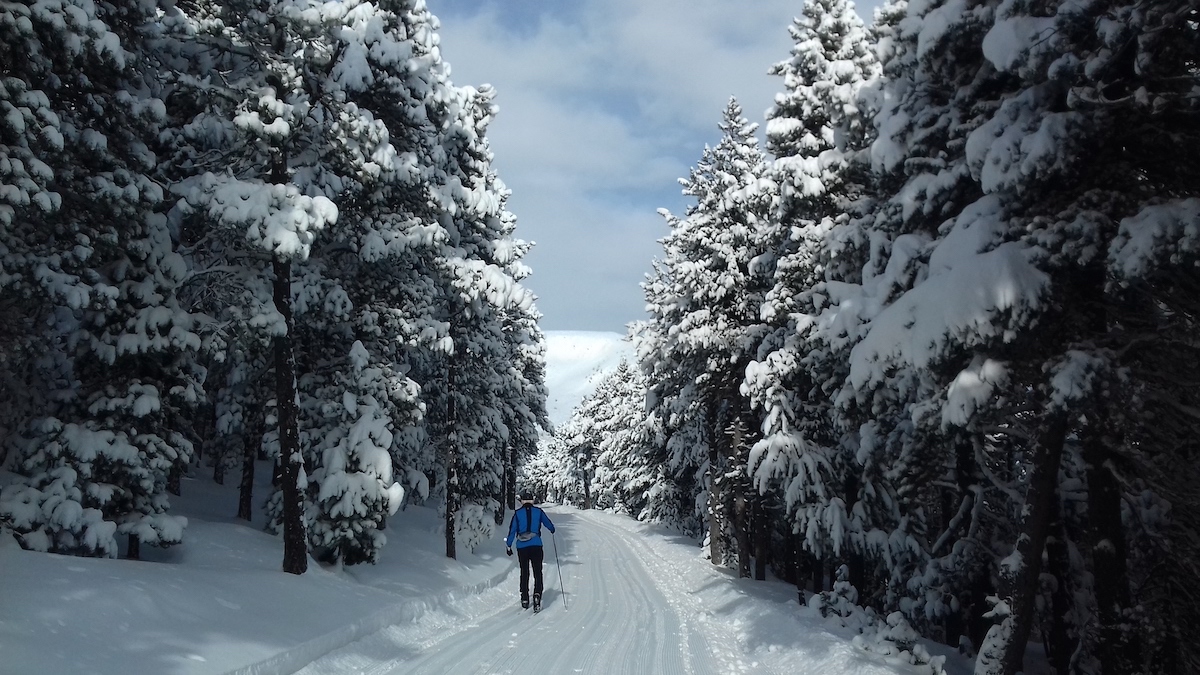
(576, 361)
(639, 600)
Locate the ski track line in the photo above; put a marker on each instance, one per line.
(619, 621)
(706, 635)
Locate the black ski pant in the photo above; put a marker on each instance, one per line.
(530, 556)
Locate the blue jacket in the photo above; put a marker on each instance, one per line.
(520, 524)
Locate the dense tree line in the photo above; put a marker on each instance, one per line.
(933, 355)
(233, 230)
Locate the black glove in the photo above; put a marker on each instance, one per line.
(508, 550)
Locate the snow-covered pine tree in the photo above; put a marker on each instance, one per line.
(819, 122)
(707, 318)
(582, 435)
(269, 123)
(473, 274)
(1137, 75)
(817, 130)
(356, 490)
(523, 407)
(622, 472)
(1005, 179)
(90, 274)
(553, 472)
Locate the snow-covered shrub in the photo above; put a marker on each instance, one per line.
(891, 636)
(841, 603)
(896, 639)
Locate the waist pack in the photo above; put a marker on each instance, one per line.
(528, 534)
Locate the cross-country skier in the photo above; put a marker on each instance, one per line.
(526, 530)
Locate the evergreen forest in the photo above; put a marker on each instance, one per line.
(931, 354)
(921, 344)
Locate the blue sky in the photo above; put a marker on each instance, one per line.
(604, 105)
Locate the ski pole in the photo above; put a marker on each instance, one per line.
(556, 562)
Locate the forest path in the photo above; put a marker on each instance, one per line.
(627, 611)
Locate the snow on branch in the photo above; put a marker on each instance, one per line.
(1157, 234)
(976, 291)
(276, 218)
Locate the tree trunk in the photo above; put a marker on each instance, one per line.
(1059, 646)
(977, 623)
(716, 539)
(854, 560)
(295, 546)
(741, 508)
(250, 445)
(1003, 650)
(504, 487)
(451, 455)
(510, 497)
(1117, 649)
(208, 439)
(762, 537)
(175, 478)
(741, 524)
(585, 459)
(134, 550)
(796, 544)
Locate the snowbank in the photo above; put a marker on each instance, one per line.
(219, 602)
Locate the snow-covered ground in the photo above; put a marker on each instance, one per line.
(576, 361)
(638, 600)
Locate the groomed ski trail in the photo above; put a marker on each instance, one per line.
(627, 613)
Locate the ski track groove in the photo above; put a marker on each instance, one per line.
(684, 605)
(622, 619)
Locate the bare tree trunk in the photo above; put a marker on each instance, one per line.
(209, 436)
(977, 623)
(855, 564)
(716, 548)
(1003, 650)
(741, 524)
(134, 550)
(295, 546)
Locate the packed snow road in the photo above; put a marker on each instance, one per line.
(626, 610)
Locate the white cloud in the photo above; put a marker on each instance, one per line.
(603, 106)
